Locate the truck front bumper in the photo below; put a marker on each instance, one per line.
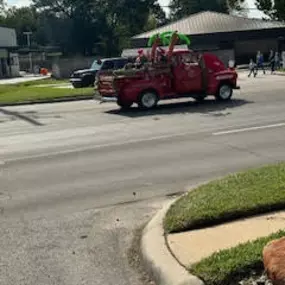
(105, 99)
(75, 80)
(236, 87)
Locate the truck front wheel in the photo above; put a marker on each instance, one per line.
(148, 100)
(224, 93)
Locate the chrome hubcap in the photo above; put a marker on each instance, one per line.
(225, 92)
(148, 100)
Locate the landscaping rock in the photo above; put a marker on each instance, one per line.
(256, 280)
(274, 261)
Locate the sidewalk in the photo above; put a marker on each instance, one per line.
(23, 79)
(190, 247)
(166, 257)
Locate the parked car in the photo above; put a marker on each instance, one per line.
(86, 77)
(186, 75)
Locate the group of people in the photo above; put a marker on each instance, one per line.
(255, 66)
(144, 58)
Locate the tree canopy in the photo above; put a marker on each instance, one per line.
(105, 27)
(182, 8)
(275, 9)
(84, 26)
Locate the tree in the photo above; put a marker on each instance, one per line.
(274, 9)
(2, 10)
(22, 20)
(157, 16)
(122, 19)
(71, 24)
(85, 26)
(182, 8)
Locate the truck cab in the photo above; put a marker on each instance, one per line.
(186, 74)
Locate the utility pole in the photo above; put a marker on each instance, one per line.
(28, 34)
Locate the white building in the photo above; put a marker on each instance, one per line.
(9, 61)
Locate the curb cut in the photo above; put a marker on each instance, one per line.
(158, 260)
(47, 101)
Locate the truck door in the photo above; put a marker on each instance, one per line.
(188, 74)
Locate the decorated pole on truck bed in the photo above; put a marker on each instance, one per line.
(174, 40)
(169, 38)
(155, 42)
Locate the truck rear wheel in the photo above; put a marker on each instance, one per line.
(148, 100)
(224, 93)
(124, 105)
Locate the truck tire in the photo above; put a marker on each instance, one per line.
(200, 99)
(148, 100)
(124, 105)
(76, 85)
(224, 92)
(88, 81)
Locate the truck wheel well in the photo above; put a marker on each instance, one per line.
(88, 79)
(152, 90)
(225, 82)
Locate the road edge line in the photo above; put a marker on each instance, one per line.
(156, 257)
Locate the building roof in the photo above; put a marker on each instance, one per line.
(134, 52)
(212, 22)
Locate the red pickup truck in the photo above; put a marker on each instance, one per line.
(186, 74)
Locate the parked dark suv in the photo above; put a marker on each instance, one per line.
(86, 77)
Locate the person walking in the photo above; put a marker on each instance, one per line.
(251, 68)
(272, 61)
(260, 62)
(277, 61)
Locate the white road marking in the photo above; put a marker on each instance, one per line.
(134, 141)
(235, 131)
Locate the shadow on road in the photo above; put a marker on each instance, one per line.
(20, 116)
(206, 107)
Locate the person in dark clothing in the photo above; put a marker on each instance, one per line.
(271, 61)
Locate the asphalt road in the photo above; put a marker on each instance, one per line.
(77, 178)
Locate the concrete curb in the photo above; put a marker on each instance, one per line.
(158, 260)
(280, 73)
(46, 101)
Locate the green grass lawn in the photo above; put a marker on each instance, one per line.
(230, 266)
(239, 195)
(22, 93)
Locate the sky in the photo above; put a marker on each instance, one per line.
(19, 3)
(250, 4)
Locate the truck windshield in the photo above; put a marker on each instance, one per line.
(96, 66)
